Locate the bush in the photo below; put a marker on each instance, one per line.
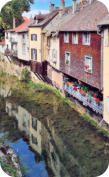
(25, 75)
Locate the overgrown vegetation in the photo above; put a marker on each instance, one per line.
(25, 75)
(95, 125)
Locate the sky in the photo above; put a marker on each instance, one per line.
(43, 6)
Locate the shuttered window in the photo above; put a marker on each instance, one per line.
(33, 54)
(33, 37)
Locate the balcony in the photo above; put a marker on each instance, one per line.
(13, 40)
(89, 101)
(8, 52)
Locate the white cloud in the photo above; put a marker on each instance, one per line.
(3, 2)
(34, 12)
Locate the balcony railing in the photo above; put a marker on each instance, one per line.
(8, 52)
(97, 107)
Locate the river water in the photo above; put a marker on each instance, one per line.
(50, 138)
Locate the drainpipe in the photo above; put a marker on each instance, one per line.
(101, 76)
(102, 61)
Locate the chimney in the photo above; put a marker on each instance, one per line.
(51, 8)
(74, 6)
(62, 4)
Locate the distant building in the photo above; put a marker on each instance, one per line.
(17, 41)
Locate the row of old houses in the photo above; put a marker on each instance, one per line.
(69, 48)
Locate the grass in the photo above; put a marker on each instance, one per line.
(85, 116)
(8, 167)
(98, 128)
(42, 86)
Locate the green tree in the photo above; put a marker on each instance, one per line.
(13, 10)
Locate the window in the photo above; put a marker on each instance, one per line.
(34, 140)
(67, 57)
(23, 38)
(86, 38)
(66, 37)
(88, 64)
(33, 54)
(54, 55)
(34, 123)
(6, 35)
(75, 38)
(106, 37)
(33, 37)
(48, 41)
(23, 48)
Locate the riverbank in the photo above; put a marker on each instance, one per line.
(13, 69)
(9, 161)
(77, 141)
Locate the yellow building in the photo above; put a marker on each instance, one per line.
(104, 28)
(35, 37)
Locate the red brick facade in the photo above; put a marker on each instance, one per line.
(77, 62)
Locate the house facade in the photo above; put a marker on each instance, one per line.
(80, 56)
(36, 40)
(104, 29)
(17, 41)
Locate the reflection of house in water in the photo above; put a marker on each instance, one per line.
(5, 91)
(12, 109)
(23, 120)
(40, 139)
(35, 135)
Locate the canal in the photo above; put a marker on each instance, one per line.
(50, 138)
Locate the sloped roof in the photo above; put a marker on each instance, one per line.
(87, 18)
(64, 16)
(40, 16)
(104, 21)
(48, 17)
(23, 27)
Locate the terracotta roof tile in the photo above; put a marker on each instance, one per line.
(2, 42)
(87, 18)
(23, 27)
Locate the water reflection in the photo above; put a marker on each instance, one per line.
(60, 148)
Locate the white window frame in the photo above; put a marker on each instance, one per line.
(66, 37)
(33, 54)
(69, 60)
(106, 37)
(74, 38)
(86, 38)
(89, 68)
(54, 55)
(23, 48)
